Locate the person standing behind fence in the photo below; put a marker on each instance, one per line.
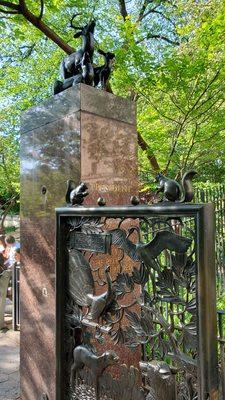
(2, 253)
(17, 256)
(11, 246)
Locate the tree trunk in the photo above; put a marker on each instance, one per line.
(152, 159)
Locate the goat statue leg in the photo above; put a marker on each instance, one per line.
(58, 87)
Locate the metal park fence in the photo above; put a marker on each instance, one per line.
(221, 342)
(216, 195)
(16, 296)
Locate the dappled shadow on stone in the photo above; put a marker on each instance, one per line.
(9, 365)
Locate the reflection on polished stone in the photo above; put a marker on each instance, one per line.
(81, 133)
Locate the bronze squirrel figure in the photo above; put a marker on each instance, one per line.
(173, 190)
(75, 195)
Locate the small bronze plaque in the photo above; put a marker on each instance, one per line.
(93, 242)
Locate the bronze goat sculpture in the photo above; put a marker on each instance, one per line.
(77, 67)
(72, 63)
(102, 73)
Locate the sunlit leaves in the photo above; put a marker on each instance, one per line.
(9, 166)
(179, 115)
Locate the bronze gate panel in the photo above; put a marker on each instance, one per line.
(162, 309)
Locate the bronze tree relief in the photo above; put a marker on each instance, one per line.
(139, 278)
(163, 253)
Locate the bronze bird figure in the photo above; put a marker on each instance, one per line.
(148, 252)
(81, 286)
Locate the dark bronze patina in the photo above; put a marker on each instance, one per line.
(78, 67)
(81, 286)
(135, 200)
(173, 191)
(84, 357)
(170, 311)
(160, 379)
(148, 252)
(102, 73)
(76, 194)
(94, 242)
(101, 202)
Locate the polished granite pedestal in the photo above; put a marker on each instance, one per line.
(81, 134)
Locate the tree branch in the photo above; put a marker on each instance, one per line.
(210, 137)
(173, 100)
(152, 159)
(8, 12)
(160, 112)
(207, 109)
(42, 10)
(123, 9)
(12, 202)
(13, 8)
(152, 10)
(142, 10)
(185, 161)
(28, 52)
(38, 23)
(21, 8)
(8, 4)
(22, 3)
(204, 91)
(161, 37)
(175, 144)
(185, 119)
(207, 117)
(162, 15)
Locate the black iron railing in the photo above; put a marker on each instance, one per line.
(221, 343)
(215, 194)
(16, 296)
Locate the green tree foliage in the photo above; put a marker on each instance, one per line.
(169, 59)
(9, 167)
(183, 111)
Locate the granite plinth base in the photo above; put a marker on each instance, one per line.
(80, 134)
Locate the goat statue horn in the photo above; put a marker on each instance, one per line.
(71, 21)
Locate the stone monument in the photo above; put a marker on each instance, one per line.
(81, 134)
